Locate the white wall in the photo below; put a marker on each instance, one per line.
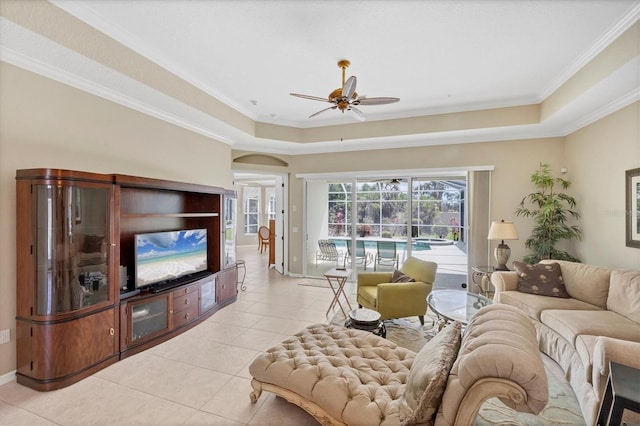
(597, 157)
(45, 124)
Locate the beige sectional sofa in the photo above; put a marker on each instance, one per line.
(598, 323)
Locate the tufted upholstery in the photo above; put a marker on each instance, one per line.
(353, 377)
(499, 349)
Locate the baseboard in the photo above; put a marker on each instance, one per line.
(295, 275)
(8, 378)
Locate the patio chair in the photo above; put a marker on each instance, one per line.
(386, 254)
(361, 257)
(328, 252)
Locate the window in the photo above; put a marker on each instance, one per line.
(251, 209)
(339, 209)
(437, 208)
(382, 208)
(271, 206)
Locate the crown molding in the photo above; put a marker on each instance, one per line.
(78, 10)
(607, 38)
(613, 106)
(28, 50)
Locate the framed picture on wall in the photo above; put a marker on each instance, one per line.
(633, 208)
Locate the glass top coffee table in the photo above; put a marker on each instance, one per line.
(455, 305)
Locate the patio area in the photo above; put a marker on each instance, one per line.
(450, 256)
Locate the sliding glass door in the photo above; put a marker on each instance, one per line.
(375, 224)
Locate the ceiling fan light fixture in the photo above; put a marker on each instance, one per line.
(345, 97)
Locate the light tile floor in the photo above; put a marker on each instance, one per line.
(198, 377)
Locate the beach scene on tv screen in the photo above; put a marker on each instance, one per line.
(169, 255)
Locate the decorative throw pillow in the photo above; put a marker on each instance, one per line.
(428, 377)
(92, 243)
(543, 279)
(399, 277)
(624, 294)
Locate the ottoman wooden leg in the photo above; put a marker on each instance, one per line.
(257, 390)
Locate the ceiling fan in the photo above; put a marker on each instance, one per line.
(346, 98)
(390, 184)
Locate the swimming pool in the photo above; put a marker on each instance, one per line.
(372, 244)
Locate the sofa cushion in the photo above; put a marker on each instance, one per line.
(400, 277)
(369, 294)
(533, 305)
(544, 279)
(585, 282)
(428, 377)
(624, 294)
(571, 324)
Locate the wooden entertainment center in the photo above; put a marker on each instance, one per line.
(78, 310)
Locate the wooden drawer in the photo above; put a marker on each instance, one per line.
(186, 315)
(190, 289)
(185, 302)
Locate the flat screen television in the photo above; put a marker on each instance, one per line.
(164, 257)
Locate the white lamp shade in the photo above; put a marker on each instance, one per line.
(502, 231)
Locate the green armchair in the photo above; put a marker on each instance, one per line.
(399, 299)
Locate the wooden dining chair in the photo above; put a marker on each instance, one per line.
(263, 238)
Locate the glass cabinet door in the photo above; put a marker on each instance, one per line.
(149, 317)
(71, 247)
(229, 232)
(207, 294)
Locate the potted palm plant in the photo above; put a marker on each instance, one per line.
(551, 209)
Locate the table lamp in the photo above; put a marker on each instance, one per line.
(502, 231)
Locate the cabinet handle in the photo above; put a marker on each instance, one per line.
(186, 316)
(113, 244)
(186, 301)
(112, 331)
(186, 290)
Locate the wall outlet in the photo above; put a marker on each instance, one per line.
(5, 336)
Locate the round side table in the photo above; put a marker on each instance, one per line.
(367, 320)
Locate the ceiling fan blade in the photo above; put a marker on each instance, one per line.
(323, 110)
(313, 98)
(375, 101)
(357, 113)
(349, 87)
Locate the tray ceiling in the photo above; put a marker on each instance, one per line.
(240, 60)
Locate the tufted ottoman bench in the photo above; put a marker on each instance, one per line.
(352, 377)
